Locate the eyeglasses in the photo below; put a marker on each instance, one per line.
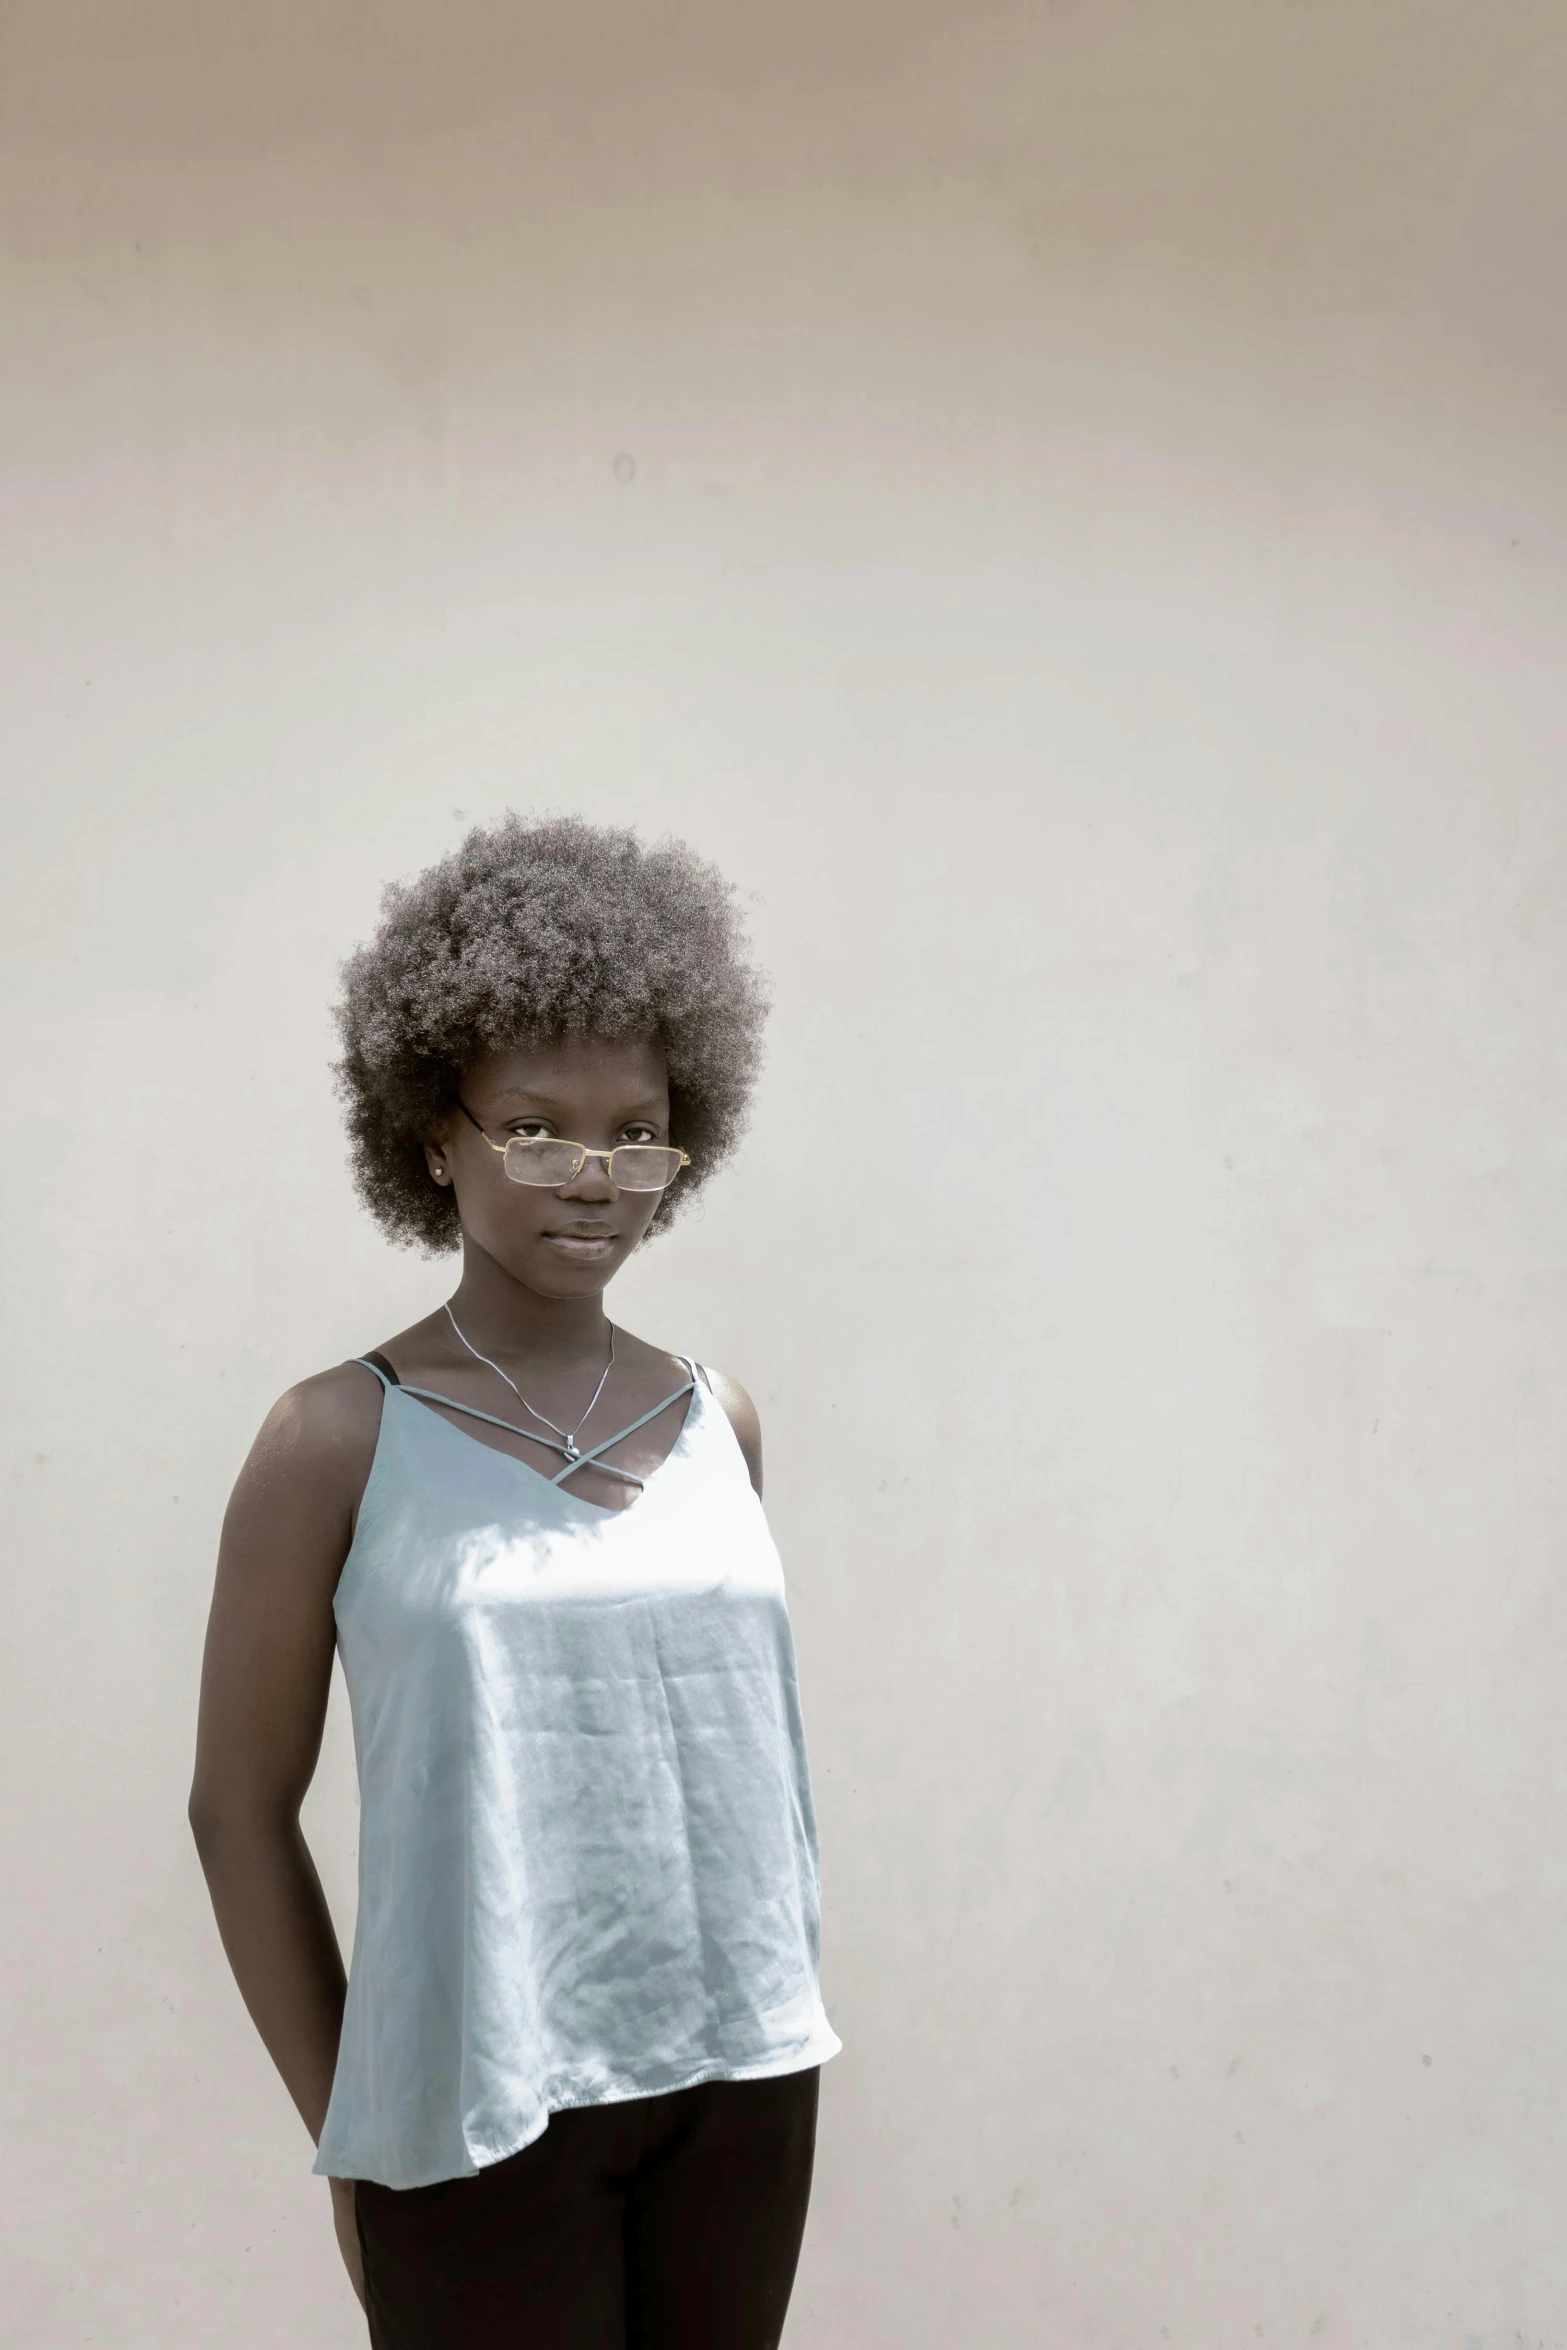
(542, 1160)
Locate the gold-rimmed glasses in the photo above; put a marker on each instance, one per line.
(548, 1162)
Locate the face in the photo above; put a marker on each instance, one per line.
(567, 1242)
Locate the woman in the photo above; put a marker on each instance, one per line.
(567, 2095)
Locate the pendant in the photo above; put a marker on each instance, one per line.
(573, 1449)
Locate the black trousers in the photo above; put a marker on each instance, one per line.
(666, 2223)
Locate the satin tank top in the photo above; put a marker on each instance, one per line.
(587, 1859)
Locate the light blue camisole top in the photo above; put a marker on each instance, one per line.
(587, 1857)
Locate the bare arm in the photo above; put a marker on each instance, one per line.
(743, 1418)
(265, 1679)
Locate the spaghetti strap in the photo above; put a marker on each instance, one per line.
(376, 1361)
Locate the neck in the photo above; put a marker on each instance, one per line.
(498, 1313)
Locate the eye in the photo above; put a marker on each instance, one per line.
(640, 1131)
(529, 1129)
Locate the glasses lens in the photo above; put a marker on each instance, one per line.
(540, 1159)
(644, 1166)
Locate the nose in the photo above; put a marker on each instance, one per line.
(591, 1180)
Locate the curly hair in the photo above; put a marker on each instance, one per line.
(529, 932)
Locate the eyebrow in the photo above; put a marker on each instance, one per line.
(646, 1104)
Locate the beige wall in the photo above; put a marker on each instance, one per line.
(1093, 573)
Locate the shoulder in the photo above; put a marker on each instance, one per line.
(330, 1409)
(743, 1418)
(319, 1435)
(288, 1527)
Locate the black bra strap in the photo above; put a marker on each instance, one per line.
(382, 1365)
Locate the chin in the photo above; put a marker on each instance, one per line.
(553, 1276)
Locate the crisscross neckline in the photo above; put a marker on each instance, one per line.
(586, 1458)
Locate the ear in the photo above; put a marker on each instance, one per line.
(437, 1155)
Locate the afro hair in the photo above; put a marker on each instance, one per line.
(529, 932)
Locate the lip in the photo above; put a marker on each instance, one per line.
(586, 1244)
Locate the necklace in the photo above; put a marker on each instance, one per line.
(568, 1436)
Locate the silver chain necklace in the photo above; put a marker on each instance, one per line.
(568, 1436)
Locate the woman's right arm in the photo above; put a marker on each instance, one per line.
(265, 1678)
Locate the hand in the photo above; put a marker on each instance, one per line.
(348, 2233)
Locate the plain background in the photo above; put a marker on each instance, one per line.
(1066, 504)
